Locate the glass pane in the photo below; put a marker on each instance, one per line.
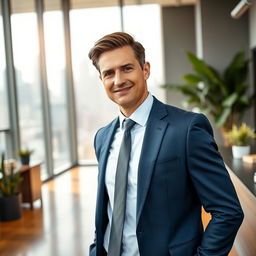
(94, 109)
(143, 32)
(4, 122)
(56, 68)
(26, 62)
(2, 143)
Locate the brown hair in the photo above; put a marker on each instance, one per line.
(114, 41)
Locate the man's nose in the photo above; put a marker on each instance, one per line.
(119, 78)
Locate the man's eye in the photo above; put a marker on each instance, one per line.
(128, 68)
(108, 73)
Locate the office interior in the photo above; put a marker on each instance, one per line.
(52, 100)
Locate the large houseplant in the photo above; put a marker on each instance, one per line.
(10, 198)
(222, 95)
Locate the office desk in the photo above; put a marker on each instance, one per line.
(30, 187)
(244, 171)
(242, 176)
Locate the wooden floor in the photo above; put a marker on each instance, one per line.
(65, 224)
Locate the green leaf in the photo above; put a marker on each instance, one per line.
(9, 182)
(209, 75)
(229, 101)
(200, 66)
(187, 90)
(192, 79)
(194, 99)
(236, 72)
(171, 86)
(212, 99)
(242, 89)
(223, 117)
(238, 60)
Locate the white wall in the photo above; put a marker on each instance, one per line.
(222, 36)
(179, 37)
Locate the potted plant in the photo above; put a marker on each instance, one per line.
(240, 138)
(24, 155)
(222, 95)
(10, 198)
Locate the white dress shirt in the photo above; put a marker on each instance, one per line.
(140, 116)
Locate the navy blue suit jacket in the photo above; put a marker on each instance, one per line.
(180, 170)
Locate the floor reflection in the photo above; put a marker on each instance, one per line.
(65, 224)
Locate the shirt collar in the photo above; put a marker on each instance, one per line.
(141, 114)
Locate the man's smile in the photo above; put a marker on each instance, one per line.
(123, 90)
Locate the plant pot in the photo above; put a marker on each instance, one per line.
(10, 207)
(25, 160)
(240, 151)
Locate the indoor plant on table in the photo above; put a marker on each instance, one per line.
(10, 198)
(24, 155)
(223, 95)
(240, 138)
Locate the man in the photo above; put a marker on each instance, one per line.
(155, 176)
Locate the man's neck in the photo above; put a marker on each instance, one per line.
(127, 111)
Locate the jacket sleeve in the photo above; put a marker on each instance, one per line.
(92, 248)
(96, 143)
(214, 188)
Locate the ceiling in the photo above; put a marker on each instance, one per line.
(101, 3)
(19, 6)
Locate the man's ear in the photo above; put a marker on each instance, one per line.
(146, 70)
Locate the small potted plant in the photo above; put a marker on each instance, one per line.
(10, 198)
(240, 138)
(24, 155)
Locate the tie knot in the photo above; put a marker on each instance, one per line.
(128, 124)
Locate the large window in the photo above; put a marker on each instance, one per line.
(2, 142)
(149, 33)
(88, 22)
(56, 80)
(26, 62)
(4, 122)
(93, 107)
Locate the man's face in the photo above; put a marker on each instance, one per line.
(123, 78)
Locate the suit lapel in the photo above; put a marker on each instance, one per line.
(151, 144)
(108, 138)
(104, 152)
